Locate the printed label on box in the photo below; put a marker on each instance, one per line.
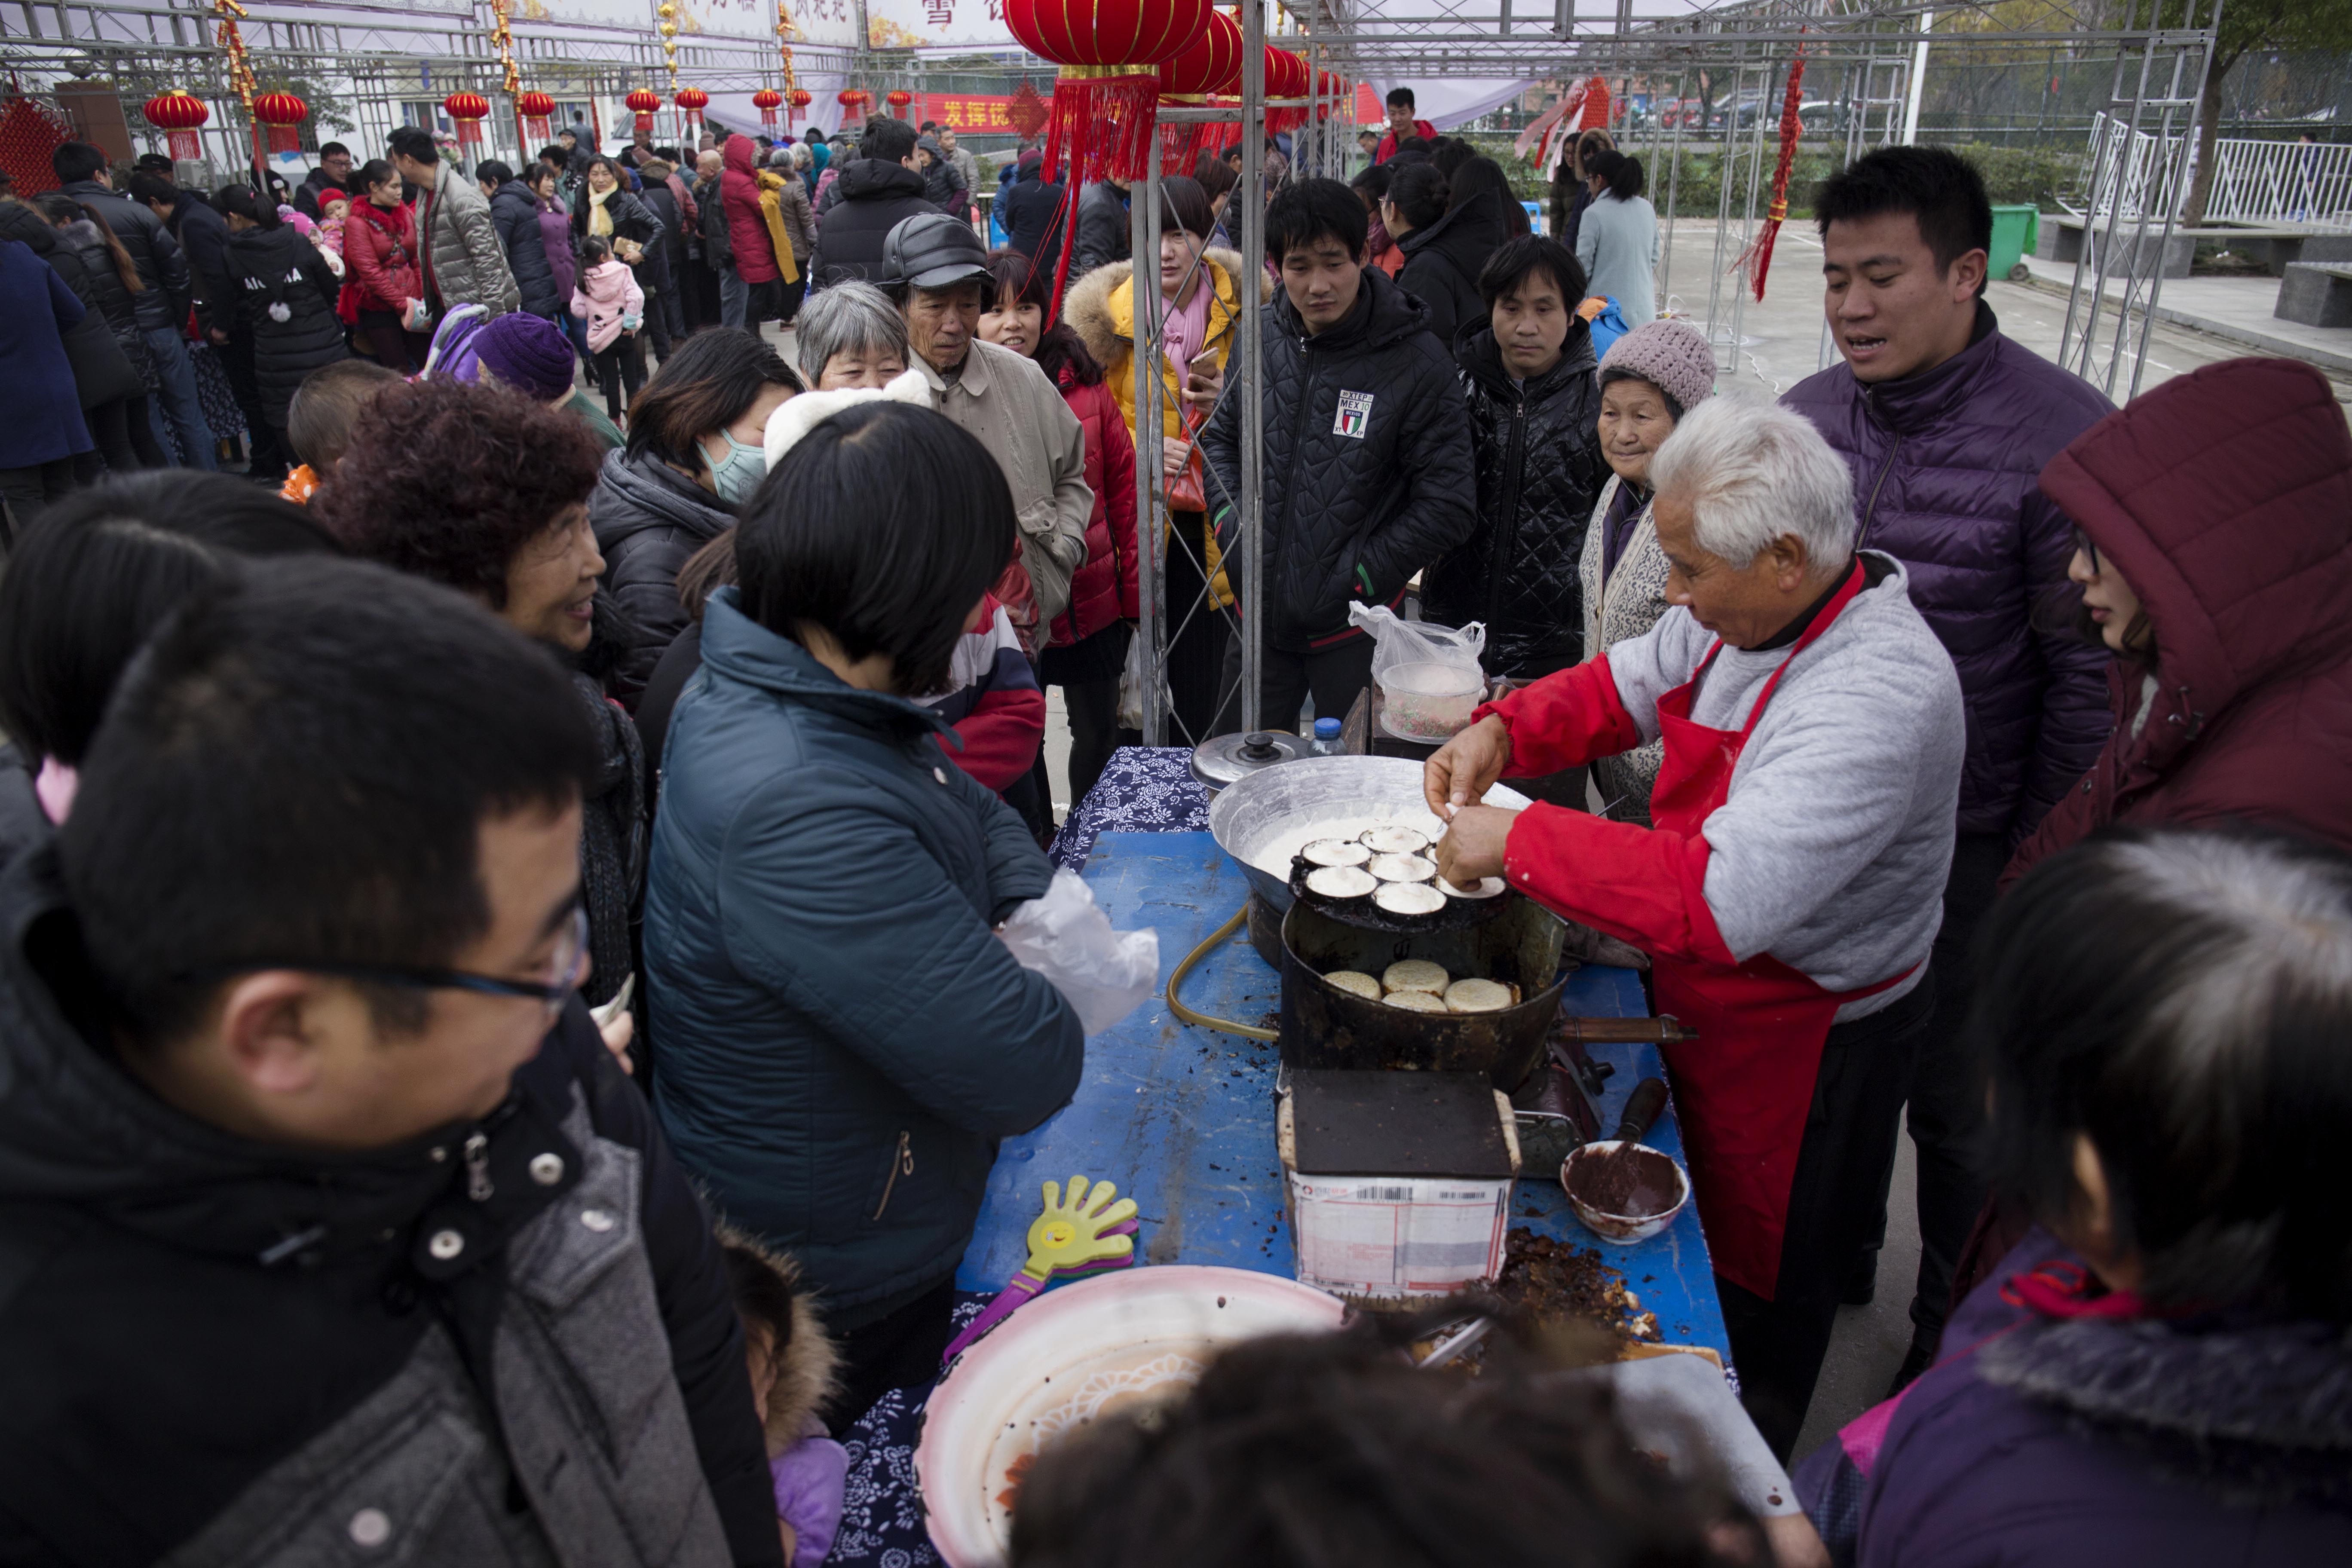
(1384, 1236)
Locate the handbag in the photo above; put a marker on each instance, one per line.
(629, 251)
(1188, 491)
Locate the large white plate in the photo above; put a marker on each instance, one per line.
(1074, 1354)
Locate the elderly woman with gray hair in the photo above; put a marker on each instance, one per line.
(1789, 884)
(850, 335)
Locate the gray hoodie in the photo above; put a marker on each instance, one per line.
(1830, 851)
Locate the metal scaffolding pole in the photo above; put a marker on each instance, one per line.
(1252, 358)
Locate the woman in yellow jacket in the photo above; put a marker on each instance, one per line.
(1201, 306)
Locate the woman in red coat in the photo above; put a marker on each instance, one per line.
(2213, 543)
(382, 276)
(746, 231)
(1088, 650)
(2213, 520)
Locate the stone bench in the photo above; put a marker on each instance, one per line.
(2062, 239)
(2315, 293)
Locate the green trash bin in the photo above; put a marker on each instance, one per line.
(2013, 232)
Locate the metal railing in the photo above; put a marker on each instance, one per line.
(2253, 181)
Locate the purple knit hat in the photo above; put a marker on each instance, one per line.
(528, 353)
(1672, 356)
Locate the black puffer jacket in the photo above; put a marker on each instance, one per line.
(307, 1360)
(1539, 471)
(288, 306)
(1442, 264)
(1367, 461)
(648, 518)
(710, 214)
(87, 264)
(514, 213)
(102, 370)
(157, 256)
(203, 235)
(874, 196)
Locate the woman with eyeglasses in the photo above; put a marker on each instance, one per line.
(485, 490)
(2213, 547)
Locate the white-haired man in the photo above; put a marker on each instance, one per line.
(1790, 884)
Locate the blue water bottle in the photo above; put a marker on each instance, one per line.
(1327, 742)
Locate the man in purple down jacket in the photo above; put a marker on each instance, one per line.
(1946, 424)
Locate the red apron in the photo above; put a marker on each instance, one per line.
(1744, 1088)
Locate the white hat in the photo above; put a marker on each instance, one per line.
(798, 416)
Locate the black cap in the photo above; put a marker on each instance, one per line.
(933, 250)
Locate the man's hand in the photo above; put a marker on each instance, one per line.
(1472, 845)
(618, 1032)
(1459, 774)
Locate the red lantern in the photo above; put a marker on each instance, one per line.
(853, 101)
(179, 116)
(898, 97)
(283, 114)
(1286, 76)
(469, 109)
(1109, 86)
(645, 100)
(1334, 90)
(1211, 63)
(537, 110)
(799, 98)
(693, 100)
(767, 100)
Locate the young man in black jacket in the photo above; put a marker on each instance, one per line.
(1366, 476)
(327, 1221)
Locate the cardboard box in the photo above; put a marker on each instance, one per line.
(1428, 1215)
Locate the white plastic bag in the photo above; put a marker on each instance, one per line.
(1429, 675)
(1130, 686)
(1105, 974)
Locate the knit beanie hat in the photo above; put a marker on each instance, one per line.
(528, 353)
(1672, 356)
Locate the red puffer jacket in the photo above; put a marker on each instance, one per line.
(380, 254)
(746, 231)
(1104, 589)
(2225, 498)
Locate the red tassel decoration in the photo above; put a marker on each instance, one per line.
(1756, 260)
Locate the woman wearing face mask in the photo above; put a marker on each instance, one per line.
(694, 455)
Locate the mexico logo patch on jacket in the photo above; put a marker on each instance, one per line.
(1355, 415)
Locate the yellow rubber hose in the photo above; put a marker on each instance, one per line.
(1186, 1015)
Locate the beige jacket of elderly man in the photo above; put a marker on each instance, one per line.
(1002, 397)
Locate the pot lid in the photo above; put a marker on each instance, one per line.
(1222, 760)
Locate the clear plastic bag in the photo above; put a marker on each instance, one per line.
(1105, 974)
(1429, 675)
(1130, 686)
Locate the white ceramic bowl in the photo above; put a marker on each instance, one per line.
(1623, 1228)
(1075, 1354)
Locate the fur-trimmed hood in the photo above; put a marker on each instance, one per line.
(808, 1373)
(2257, 1414)
(1101, 306)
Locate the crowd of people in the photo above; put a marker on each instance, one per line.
(503, 1032)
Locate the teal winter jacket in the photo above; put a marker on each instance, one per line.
(841, 1039)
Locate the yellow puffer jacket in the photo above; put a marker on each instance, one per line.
(1101, 308)
(771, 208)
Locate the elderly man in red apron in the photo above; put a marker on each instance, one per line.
(1791, 882)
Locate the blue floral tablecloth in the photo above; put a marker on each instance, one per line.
(1145, 789)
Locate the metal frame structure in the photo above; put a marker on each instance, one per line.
(1872, 50)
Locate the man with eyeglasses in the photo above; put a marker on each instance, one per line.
(327, 1225)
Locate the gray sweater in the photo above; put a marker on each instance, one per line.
(1617, 245)
(1830, 851)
